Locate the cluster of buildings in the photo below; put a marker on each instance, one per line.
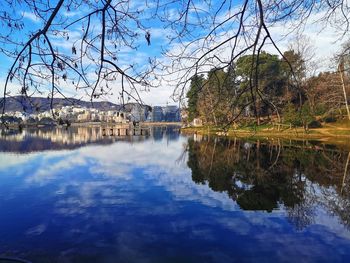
(141, 113)
(165, 114)
(75, 114)
(68, 113)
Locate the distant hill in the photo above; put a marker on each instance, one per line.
(39, 104)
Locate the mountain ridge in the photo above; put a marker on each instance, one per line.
(40, 104)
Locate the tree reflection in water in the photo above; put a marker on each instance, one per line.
(297, 177)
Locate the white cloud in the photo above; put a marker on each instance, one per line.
(31, 17)
(324, 39)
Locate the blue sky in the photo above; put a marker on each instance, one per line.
(325, 43)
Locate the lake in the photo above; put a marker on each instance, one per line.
(74, 195)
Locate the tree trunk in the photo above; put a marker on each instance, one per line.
(211, 106)
(341, 69)
(345, 173)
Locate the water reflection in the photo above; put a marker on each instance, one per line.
(58, 138)
(300, 177)
(169, 198)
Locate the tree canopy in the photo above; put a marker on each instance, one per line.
(278, 90)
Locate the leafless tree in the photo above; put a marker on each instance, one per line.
(230, 31)
(203, 35)
(94, 32)
(343, 60)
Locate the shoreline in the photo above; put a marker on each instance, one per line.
(331, 135)
(87, 124)
(324, 135)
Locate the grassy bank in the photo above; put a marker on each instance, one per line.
(338, 132)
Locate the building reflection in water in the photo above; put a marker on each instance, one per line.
(260, 175)
(56, 138)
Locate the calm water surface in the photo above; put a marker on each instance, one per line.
(77, 196)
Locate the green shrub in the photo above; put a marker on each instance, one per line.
(306, 115)
(314, 124)
(320, 109)
(298, 118)
(291, 115)
(329, 119)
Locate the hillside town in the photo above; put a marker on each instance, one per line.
(79, 114)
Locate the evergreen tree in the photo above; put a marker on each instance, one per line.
(192, 95)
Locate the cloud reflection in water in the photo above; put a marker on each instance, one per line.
(135, 202)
